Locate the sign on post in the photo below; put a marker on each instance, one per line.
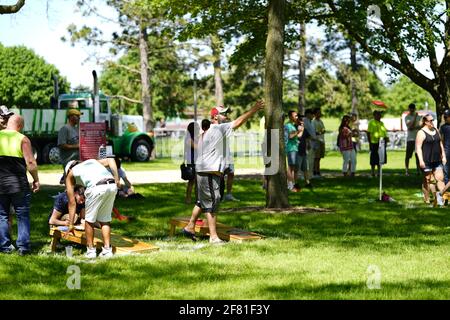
(382, 151)
(92, 136)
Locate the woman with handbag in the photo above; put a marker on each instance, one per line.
(190, 147)
(190, 155)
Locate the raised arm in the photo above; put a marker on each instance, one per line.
(259, 105)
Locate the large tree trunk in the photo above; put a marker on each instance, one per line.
(302, 70)
(8, 9)
(216, 45)
(277, 193)
(146, 90)
(354, 67)
(441, 98)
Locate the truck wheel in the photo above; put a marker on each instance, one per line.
(50, 154)
(140, 151)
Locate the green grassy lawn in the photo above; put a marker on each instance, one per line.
(305, 256)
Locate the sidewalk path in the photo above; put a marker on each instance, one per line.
(140, 177)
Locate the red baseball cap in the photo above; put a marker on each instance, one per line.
(215, 111)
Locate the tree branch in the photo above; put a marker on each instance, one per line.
(446, 60)
(132, 70)
(430, 46)
(126, 99)
(407, 69)
(12, 8)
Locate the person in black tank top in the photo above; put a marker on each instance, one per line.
(430, 152)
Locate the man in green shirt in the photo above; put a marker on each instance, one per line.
(375, 131)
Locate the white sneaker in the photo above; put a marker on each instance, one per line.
(229, 197)
(216, 241)
(439, 200)
(106, 253)
(91, 253)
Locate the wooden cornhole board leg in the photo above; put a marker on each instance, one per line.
(224, 232)
(120, 245)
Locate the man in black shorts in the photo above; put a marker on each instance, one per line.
(210, 167)
(412, 121)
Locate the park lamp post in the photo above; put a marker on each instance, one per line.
(195, 97)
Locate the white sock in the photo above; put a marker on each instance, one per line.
(290, 185)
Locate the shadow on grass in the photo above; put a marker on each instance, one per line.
(358, 218)
(358, 290)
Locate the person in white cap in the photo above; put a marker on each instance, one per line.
(4, 116)
(101, 188)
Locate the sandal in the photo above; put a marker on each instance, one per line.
(189, 234)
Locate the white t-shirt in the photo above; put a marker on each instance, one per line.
(211, 149)
(412, 133)
(89, 172)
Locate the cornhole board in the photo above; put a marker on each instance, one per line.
(120, 245)
(446, 196)
(224, 232)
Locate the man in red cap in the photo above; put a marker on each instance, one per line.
(223, 112)
(210, 167)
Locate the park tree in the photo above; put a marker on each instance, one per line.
(403, 92)
(169, 82)
(276, 196)
(12, 8)
(26, 78)
(400, 33)
(138, 21)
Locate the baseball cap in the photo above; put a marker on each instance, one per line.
(215, 111)
(447, 113)
(70, 165)
(74, 112)
(4, 111)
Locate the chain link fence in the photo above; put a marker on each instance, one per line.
(248, 143)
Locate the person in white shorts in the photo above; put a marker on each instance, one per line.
(101, 188)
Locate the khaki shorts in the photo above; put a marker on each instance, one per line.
(100, 202)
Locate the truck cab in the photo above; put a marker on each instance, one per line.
(125, 133)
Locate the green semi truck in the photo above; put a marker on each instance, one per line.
(125, 133)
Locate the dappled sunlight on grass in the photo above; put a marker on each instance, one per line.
(304, 255)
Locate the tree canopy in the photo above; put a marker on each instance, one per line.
(26, 78)
(13, 8)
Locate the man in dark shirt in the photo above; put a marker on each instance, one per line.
(60, 213)
(302, 147)
(445, 134)
(16, 158)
